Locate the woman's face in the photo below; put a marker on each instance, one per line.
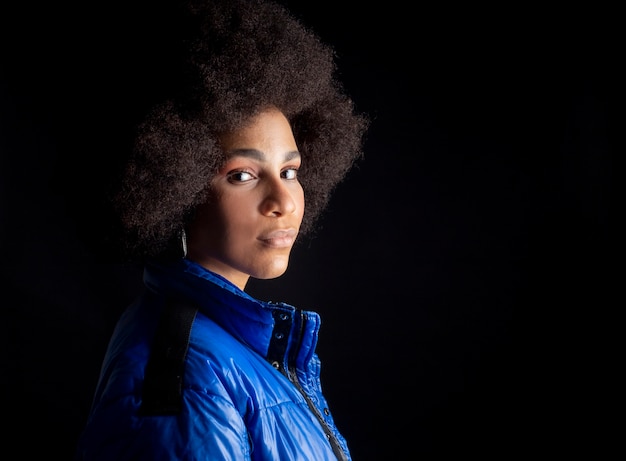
(248, 226)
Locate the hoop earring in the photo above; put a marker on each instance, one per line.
(183, 238)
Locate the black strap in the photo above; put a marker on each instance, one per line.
(163, 381)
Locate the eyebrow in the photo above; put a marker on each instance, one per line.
(256, 154)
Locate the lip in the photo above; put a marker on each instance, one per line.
(280, 238)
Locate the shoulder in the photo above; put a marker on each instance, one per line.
(225, 367)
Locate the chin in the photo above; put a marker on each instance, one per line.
(270, 275)
(275, 271)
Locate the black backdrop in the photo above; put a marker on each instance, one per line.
(463, 271)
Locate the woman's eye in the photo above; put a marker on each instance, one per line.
(291, 173)
(240, 176)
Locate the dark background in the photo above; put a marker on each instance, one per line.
(464, 271)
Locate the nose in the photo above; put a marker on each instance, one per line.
(279, 198)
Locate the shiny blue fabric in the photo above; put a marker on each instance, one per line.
(236, 405)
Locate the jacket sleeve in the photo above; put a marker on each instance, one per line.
(208, 427)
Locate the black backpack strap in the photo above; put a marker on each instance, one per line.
(163, 381)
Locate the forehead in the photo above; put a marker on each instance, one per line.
(267, 132)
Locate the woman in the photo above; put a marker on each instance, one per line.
(214, 194)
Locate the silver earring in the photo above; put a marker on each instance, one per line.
(183, 238)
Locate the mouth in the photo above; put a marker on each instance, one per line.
(281, 238)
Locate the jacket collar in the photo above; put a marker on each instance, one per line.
(284, 335)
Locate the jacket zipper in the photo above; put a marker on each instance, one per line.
(290, 373)
(334, 443)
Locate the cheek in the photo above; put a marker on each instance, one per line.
(236, 213)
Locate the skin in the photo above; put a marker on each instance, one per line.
(250, 222)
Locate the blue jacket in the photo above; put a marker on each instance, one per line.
(249, 388)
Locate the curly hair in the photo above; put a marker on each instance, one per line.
(241, 57)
